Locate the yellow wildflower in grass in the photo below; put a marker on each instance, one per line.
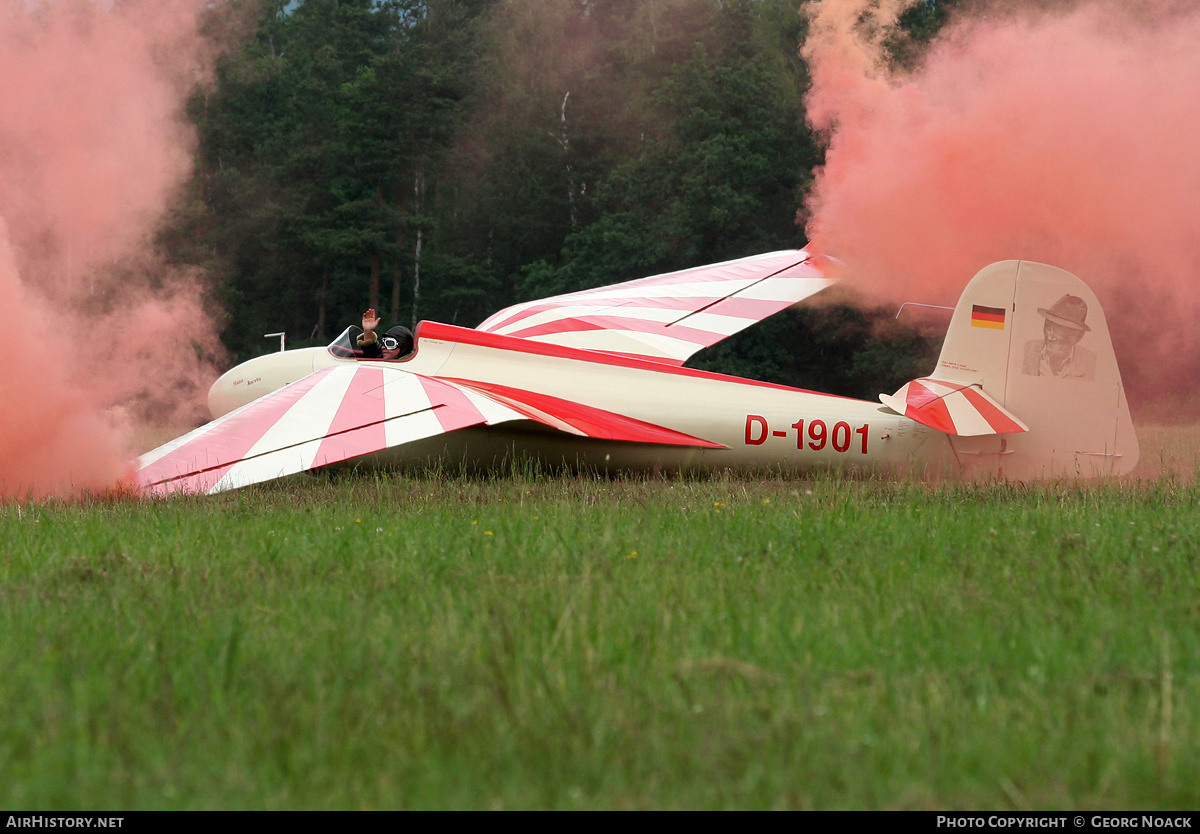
(632, 554)
(488, 533)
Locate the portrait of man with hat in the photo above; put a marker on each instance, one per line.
(1057, 353)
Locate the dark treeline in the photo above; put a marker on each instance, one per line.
(443, 159)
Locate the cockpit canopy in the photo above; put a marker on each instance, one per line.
(346, 346)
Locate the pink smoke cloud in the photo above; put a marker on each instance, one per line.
(92, 145)
(1062, 136)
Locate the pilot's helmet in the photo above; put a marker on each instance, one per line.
(398, 337)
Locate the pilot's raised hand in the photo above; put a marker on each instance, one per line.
(370, 321)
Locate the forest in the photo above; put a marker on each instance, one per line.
(446, 158)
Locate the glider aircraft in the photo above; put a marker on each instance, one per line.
(1027, 387)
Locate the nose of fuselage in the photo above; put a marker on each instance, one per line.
(259, 376)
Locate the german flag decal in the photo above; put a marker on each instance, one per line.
(992, 317)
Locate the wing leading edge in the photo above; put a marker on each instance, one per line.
(344, 412)
(669, 317)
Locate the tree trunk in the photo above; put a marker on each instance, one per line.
(395, 293)
(565, 142)
(418, 200)
(324, 295)
(373, 288)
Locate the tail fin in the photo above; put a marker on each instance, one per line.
(1033, 341)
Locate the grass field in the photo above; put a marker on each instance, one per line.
(535, 642)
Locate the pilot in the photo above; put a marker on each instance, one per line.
(396, 342)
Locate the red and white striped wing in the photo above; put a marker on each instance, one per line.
(329, 416)
(584, 420)
(953, 408)
(348, 411)
(669, 317)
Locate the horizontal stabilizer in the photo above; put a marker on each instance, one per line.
(952, 407)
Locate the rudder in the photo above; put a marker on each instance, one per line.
(1034, 339)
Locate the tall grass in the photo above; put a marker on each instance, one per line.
(525, 641)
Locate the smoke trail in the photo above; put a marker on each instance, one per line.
(1063, 135)
(92, 144)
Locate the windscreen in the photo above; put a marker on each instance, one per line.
(345, 346)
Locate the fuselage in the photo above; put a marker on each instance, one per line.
(761, 425)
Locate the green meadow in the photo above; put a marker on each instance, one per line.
(526, 641)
